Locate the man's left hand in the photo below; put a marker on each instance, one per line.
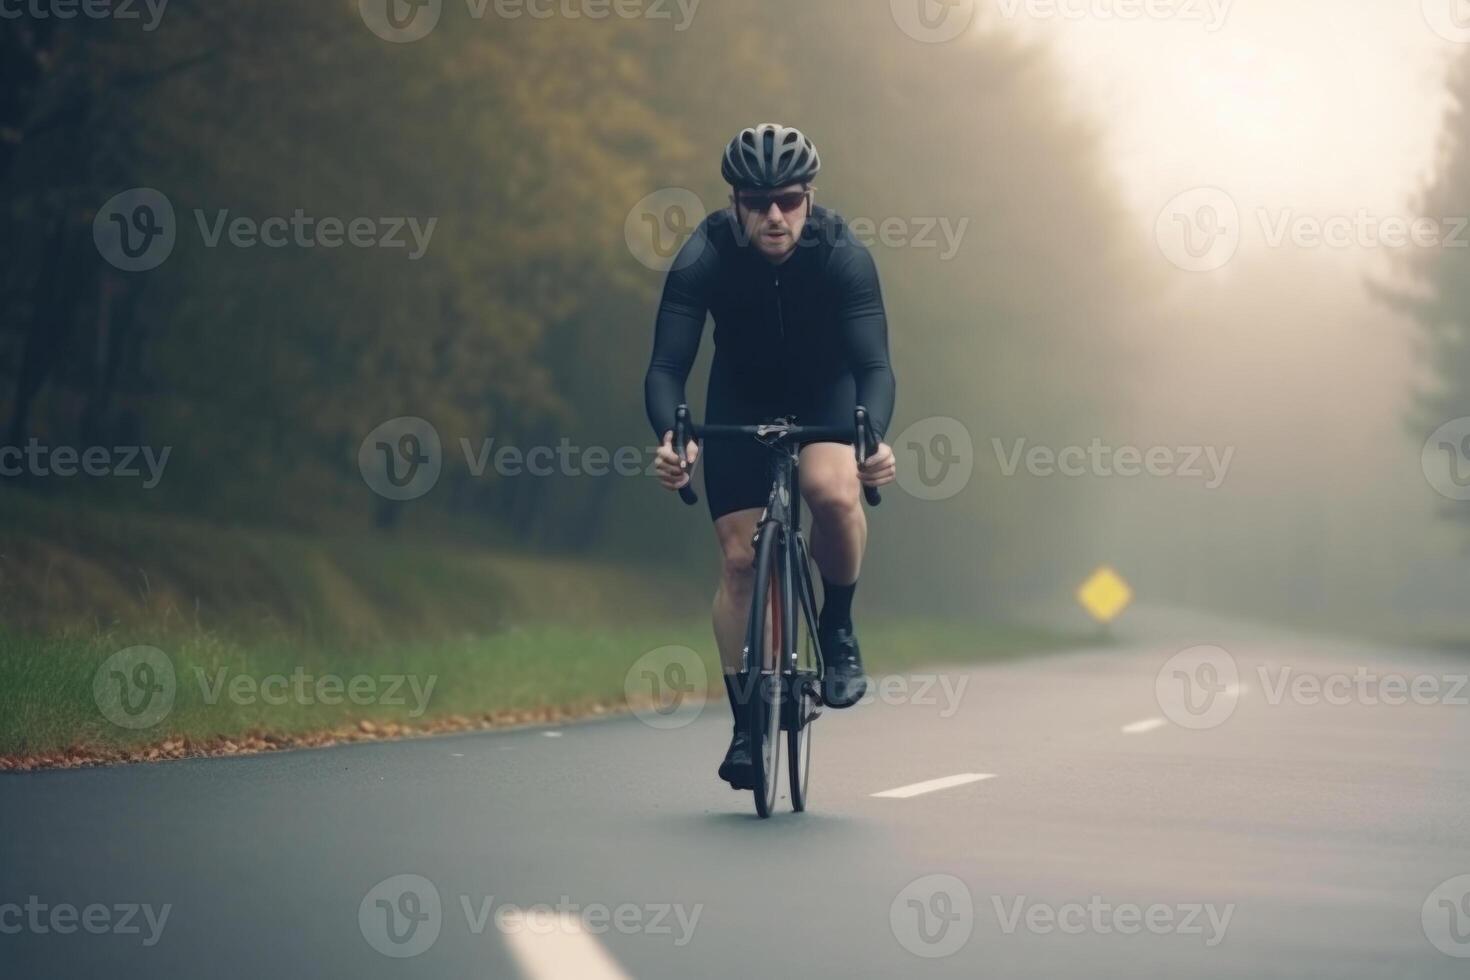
(881, 467)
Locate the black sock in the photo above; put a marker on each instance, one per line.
(733, 692)
(836, 606)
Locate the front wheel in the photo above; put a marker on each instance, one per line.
(803, 711)
(768, 761)
(762, 647)
(805, 695)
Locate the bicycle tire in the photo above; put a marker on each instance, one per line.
(763, 717)
(805, 690)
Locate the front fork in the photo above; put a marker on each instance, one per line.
(788, 597)
(776, 617)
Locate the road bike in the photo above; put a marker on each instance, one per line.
(779, 687)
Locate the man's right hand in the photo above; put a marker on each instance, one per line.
(671, 473)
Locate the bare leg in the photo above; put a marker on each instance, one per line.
(829, 484)
(737, 582)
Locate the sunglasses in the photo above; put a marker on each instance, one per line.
(761, 203)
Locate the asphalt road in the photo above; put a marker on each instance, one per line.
(1201, 825)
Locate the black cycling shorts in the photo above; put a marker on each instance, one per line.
(738, 472)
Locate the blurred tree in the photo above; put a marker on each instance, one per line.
(1438, 294)
(528, 320)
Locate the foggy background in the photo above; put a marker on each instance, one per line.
(1063, 315)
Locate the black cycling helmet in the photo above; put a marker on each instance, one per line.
(770, 155)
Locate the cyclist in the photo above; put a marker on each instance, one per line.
(800, 330)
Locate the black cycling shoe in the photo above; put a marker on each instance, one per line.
(843, 683)
(738, 769)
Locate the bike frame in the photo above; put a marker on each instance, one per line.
(782, 516)
(792, 587)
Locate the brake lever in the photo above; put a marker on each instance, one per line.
(864, 445)
(682, 427)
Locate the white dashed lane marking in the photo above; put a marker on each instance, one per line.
(933, 785)
(563, 950)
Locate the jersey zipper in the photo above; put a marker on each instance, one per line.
(780, 314)
(781, 325)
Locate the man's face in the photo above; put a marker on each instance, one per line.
(773, 219)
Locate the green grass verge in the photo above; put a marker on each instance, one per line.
(66, 568)
(49, 685)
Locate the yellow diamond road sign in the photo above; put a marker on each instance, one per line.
(1104, 595)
